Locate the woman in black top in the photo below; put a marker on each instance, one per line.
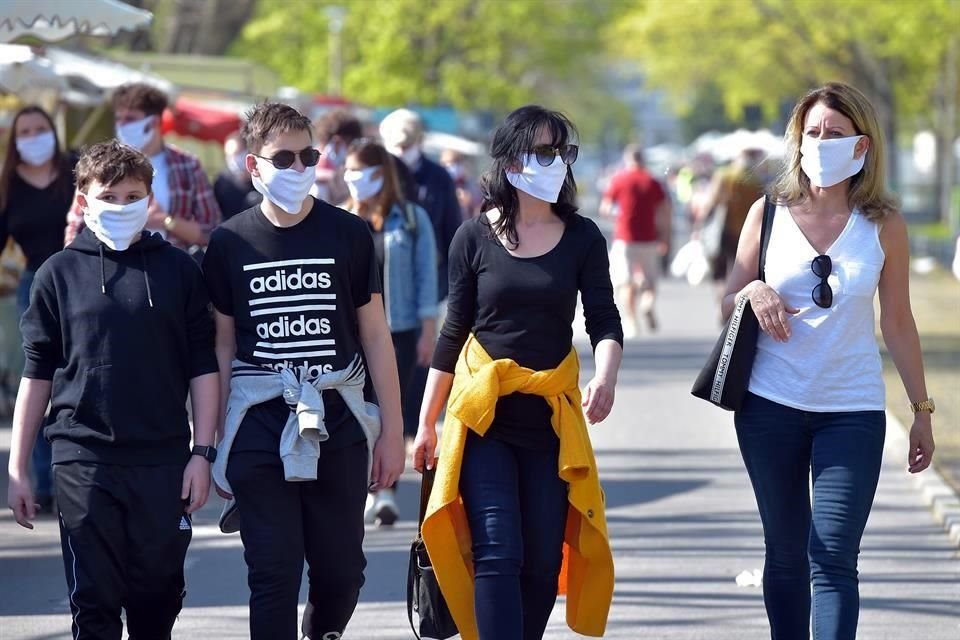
(36, 190)
(515, 272)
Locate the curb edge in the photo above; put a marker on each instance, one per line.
(943, 501)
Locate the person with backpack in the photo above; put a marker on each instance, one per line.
(406, 255)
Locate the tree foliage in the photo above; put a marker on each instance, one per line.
(765, 51)
(468, 54)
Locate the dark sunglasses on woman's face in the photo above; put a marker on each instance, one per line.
(545, 153)
(822, 294)
(285, 159)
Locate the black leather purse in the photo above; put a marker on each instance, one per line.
(724, 378)
(423, 593)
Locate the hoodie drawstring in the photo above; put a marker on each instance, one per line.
(146, 278)
(103, 277)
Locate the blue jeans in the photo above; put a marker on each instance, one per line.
(516, 505)
(42, 456)
(780, 446)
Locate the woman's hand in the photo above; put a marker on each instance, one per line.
(425, 347)
(597, 400)
(425, 448)
(920, 454)
(770, 309)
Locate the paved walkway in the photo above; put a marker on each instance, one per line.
(681, 514)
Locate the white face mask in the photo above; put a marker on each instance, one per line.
(830, 162)
(37, 150)
(333, 155)
(543, 183)
(362, 184)
(410, 155)
(116, 225)
(286, 188)
(237, 164)
(136, 134)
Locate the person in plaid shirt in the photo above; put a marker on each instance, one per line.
(184, 209)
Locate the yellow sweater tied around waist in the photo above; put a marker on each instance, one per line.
(478, 382)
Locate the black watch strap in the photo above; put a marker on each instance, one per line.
(208, 453)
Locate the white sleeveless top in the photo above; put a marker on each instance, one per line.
(831, 361)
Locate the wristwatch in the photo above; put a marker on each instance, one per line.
(207, 453)
(169, 223)
(924, 405)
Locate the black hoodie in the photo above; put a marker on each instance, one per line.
(120, 334)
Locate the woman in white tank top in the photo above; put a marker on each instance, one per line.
(816, 397)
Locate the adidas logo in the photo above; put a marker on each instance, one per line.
(184, 524)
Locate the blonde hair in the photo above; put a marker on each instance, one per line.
(868, 189)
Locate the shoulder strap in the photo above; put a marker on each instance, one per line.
(769, 208)
(426, 486)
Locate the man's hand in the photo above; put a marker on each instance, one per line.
(155, 215)
(388, 461)
(196, 483)
(20, 500)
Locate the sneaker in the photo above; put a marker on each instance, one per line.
(385, 508)
(370, 509)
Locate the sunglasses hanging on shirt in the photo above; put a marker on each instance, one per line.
(822, 267)
(285, 159)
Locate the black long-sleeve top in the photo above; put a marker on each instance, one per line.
(37, 218)
(523, 309)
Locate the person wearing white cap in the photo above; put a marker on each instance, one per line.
(402, 133)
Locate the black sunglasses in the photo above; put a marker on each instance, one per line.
(285, 159)
(545, 154)
(822, 294)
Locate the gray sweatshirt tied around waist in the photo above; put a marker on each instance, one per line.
(305, 429)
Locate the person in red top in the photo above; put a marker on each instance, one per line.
(641, 236)
(184, 209)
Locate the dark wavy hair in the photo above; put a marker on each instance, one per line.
(511, 141)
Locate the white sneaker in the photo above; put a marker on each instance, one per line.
(385, 508)
(370, 510)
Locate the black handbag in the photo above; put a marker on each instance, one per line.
(423, 593)
(724, 378)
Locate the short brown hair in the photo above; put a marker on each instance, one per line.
(110, 162)
(269, 119)
(338, 122)
(140, 96)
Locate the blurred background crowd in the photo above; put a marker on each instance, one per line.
(696, 91)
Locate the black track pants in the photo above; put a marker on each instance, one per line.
(124, 536)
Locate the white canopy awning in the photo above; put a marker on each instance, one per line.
(53, 20)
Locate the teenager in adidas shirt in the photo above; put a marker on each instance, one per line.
(297, 294)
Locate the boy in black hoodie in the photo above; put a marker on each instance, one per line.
(118, 330)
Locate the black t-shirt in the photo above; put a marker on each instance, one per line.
(293, 294)
(523, 309)
(37, 218)
(379, 248)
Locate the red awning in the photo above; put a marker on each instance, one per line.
(201, 120)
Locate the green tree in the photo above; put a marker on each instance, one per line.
(768, 51)
(469, 54)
